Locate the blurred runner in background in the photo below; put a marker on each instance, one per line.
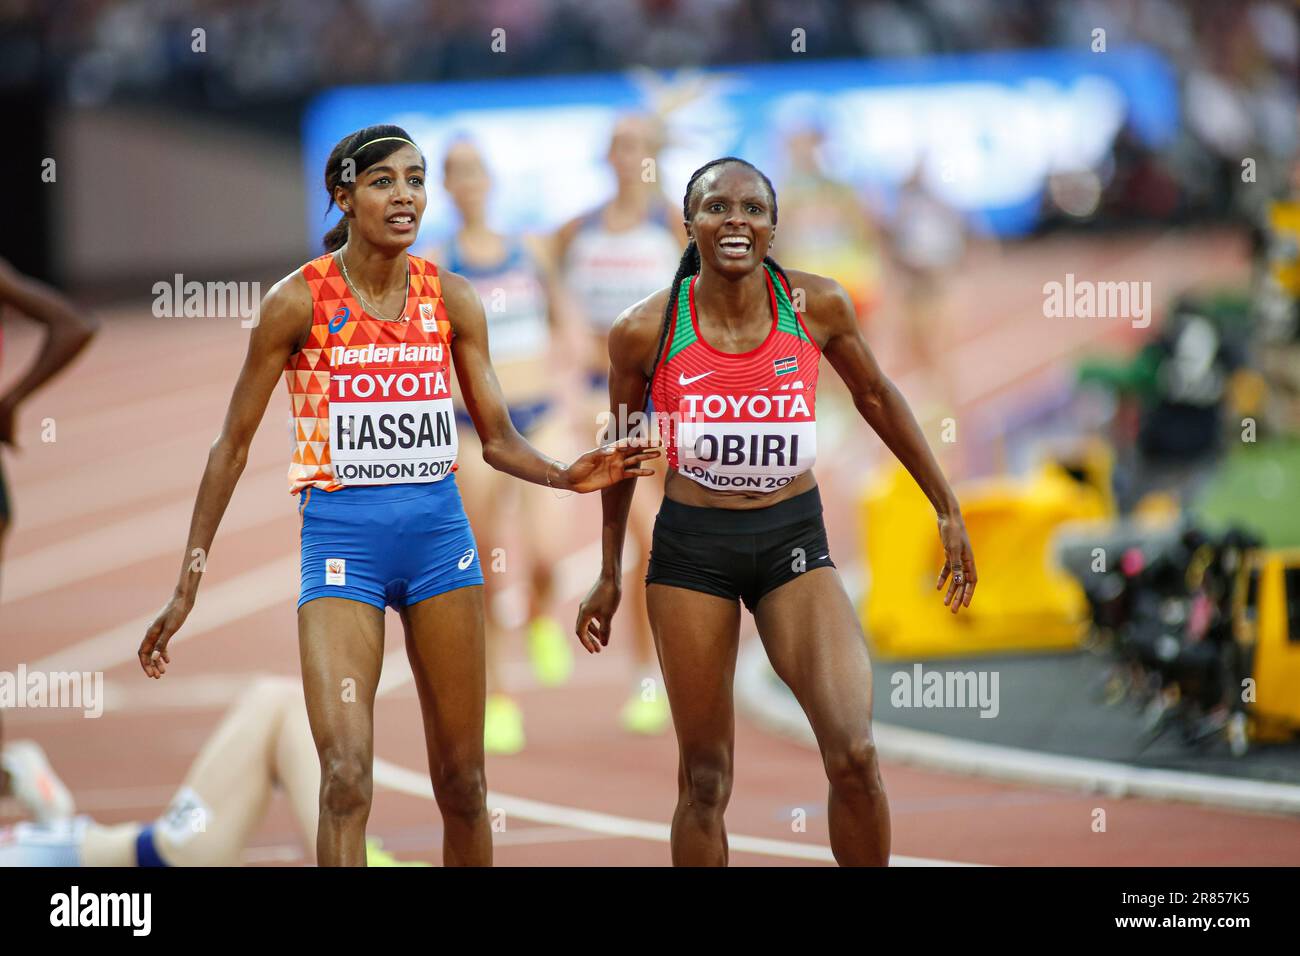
(510, 275)
(928, 243)
(68, 330)
(826, 229)
(613, 257)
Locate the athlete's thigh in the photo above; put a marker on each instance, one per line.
(816, 646)
(444, 640)
(696, 635)
(341, 647)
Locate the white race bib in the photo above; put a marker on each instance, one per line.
(756, 441)
(391, 425)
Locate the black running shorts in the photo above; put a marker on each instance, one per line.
(738, 554)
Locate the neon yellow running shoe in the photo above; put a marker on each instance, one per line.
(376, 855)
(642, 716)
(548, 646)
(503, 726)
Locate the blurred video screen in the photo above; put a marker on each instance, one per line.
(984, 131)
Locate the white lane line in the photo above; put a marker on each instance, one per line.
(94, 420)
(138, 538)
(414, 784)
(209, 691)
(81, 492)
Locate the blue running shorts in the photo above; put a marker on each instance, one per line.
(386, 545)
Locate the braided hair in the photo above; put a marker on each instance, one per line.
(690, 261)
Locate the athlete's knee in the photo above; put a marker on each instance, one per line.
(708, 782)
(345, 782)
(854, 764)
(461, 789)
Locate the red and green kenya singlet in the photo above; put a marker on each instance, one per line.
(744, 421)
(371, 399)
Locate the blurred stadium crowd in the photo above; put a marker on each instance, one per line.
(1235, 60)
(263, 47)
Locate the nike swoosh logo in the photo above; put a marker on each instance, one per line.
(683, 380)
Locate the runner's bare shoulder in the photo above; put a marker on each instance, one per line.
(286, 310)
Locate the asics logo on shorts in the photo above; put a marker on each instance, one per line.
(466, 559)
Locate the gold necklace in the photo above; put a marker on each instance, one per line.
(366, 305)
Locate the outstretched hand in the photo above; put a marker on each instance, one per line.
(959, 563)
(610, 464)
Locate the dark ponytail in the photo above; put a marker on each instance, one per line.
(337, 237)
(349, 147)
(690, 261)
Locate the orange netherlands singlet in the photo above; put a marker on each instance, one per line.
(739, 421)
(371, 398)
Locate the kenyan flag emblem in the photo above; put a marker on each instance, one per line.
(784, 366)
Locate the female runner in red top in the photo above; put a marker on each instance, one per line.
(730, 363)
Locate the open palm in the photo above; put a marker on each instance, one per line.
(610, 464)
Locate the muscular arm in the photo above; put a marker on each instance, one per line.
(833, 321)
(632, 343)
(503, 447)
(285, 320)
(67, 332)
(831, 314)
